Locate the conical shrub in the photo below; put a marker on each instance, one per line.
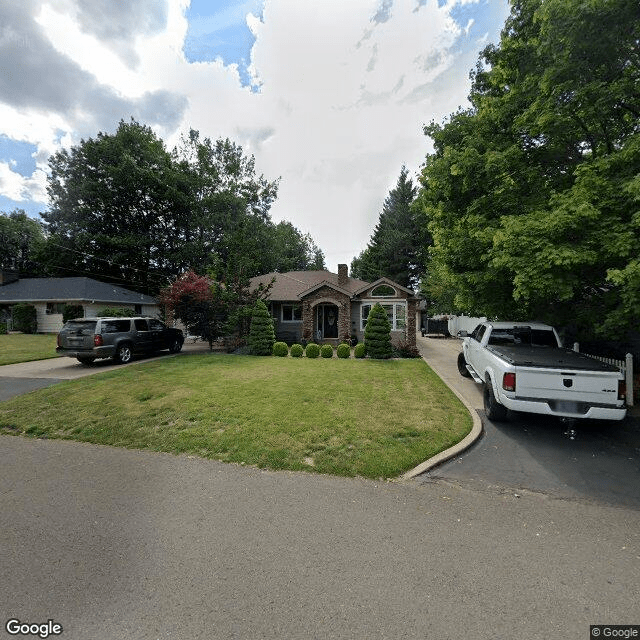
(377, 334)
(261, 333)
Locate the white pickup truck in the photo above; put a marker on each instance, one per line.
(523, 367)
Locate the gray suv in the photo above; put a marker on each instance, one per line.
(88, 339)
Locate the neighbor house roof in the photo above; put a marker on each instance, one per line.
(290, 285)
(69, 290)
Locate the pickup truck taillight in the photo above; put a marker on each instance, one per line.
(622, 390)
(509, 381)
(97, 340)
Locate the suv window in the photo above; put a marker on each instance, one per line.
(80, 328)
(156, 325)
(115, 326)
(141, 325)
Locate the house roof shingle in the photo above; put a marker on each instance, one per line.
(69, 289)
(289, 285)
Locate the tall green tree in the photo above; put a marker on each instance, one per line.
(397, 248)
(114, 200)
(21, 241)
(532, 194)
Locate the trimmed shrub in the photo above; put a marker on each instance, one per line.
(326, 351)
(3, 328)
(377, 334)
(312, 350)
(296, 350)
(344, 351)
(261, 334)
(71, 311)
(359, 350)
(25, 318)
(115, 312)
(280, 349)
(405, 350)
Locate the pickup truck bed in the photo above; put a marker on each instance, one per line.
(521, 356)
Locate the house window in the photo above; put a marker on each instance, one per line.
(396, 314)
(55, 307)
(137, 309)
(383, 291)
(291, 313)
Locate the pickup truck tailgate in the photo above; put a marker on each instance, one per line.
(574, 386)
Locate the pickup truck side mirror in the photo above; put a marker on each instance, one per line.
(463, 334)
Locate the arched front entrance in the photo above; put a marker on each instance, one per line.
(326, 321)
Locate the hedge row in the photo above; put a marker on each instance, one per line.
(314, 350)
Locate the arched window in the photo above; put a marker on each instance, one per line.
(383, 291)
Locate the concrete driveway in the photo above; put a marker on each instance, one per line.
(599, 461)
(17, 379)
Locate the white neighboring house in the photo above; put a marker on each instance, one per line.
(50, 295)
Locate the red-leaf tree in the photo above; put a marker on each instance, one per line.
(198, 301)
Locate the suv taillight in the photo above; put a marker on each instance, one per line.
(622, 390)
(97, 340)
(509, 382)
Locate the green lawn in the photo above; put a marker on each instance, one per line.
(21, 347)
(345, 417)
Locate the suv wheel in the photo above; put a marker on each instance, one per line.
(123, 353)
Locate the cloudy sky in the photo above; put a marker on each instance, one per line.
(329, 95)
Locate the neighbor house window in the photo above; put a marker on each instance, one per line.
(396, 314)
(55, 307)
(291, 313)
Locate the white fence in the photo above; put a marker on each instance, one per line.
(626, 366)
(463, 323)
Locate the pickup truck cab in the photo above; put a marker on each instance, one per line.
(523, 367)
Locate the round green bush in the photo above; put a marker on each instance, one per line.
(344, 351)
(297, 350)
(360, 351)
(326, 351)
(312, 350)
(280, 349)
(25, 318)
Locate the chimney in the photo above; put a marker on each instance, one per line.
(343, 275)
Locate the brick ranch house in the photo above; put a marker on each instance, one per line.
(321, 306)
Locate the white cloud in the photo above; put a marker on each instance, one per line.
(342, 90)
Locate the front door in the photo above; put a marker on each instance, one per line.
(328, 321)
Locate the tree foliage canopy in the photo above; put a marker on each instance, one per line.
(532, 195)
(21, 241)
(125, 209)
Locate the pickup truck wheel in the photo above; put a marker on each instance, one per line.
(462, 366)
(494, 410)
(176, 346)
(123, 354)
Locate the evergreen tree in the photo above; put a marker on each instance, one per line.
(398, 245)
(261, 333)
(377, 334)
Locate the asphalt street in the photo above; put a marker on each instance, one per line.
(118, 544)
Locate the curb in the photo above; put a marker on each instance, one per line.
(456, 449)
